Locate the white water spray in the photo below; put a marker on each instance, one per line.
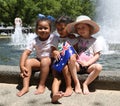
(108, 17)
(18, 37)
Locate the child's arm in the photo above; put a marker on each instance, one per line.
(56, 54)
(91, 61)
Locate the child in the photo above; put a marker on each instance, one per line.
(63, 36)
(43, 46)
(89, 50)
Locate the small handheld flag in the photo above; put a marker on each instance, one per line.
(67, 52)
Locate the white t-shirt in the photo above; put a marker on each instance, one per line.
(43, 48)
(87, 48)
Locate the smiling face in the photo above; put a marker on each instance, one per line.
(43, 29)
(83, 30)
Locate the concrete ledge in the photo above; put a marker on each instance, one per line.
(9, 74)
(106, 79)
(109, 76)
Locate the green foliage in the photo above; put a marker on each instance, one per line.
(28, 10)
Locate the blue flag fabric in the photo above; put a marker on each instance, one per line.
(67, 52)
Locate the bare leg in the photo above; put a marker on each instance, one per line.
(67, 77)
(94, 71)
(73, 71)
(56, 94)
(29, 64)
(25, 88)
(45, 64)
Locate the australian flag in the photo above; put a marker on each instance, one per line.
(67, 52)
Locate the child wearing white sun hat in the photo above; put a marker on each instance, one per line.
(86, 20)
(88, 49)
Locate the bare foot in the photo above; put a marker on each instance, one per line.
(22, 92)
(57, 96)
(78, 89)
(85, 89)
(40, 90)
(68, 92)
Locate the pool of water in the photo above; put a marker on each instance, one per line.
(10, 55)
(110, 62)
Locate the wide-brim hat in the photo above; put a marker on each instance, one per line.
(83, 19)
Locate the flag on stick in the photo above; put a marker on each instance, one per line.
(67, 52)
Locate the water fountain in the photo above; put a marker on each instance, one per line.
(11, 48)
(108, 16)
(18, 37)
(108, 19)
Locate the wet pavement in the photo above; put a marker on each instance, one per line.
(97, 98)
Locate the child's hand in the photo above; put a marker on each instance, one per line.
(57, 55)
(24, 72)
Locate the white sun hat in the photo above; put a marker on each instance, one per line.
(83, 19)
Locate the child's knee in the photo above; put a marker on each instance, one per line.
(46, 62)
(72, 59)
(99, 67)
(28, 62)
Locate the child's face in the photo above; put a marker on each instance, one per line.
(61, 29)
(83, 30)
(43, 30)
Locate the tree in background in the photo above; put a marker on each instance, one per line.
(28, 10)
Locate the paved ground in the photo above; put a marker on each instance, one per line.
(105, 90)
(98, 98)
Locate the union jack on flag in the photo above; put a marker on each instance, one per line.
(65, 47)
(67, 52)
